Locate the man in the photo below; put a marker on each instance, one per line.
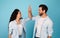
(43, 24)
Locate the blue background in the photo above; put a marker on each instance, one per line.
(7, 7)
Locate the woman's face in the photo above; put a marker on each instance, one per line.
(19, 15)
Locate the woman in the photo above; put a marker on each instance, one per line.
(16, 25)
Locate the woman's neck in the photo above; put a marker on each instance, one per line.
(18, 21)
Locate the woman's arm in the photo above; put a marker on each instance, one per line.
(10, 30)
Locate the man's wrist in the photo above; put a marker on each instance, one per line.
(49, 36)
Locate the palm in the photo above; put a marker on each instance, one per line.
(29, 9)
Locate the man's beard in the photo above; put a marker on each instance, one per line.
(41, 14)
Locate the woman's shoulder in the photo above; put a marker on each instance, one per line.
(12, 22)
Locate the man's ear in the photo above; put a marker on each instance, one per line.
(43, 11)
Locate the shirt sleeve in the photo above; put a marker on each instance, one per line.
(23, 23)
(24, 28)
(34, 18)
(10, 28)
(35, 28)
(50, 28)
(27, 19)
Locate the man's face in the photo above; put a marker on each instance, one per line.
(41, 12)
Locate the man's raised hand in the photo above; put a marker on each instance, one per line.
(30, 12)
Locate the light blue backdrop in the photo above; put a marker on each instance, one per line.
(7, 7)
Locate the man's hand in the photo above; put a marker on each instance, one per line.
(49, 36)
(30, 12)
(9, 36)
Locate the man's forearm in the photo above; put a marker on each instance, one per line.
(30, 12)
(9, 36)
(30, 15)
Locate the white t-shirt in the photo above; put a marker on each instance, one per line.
(43, 27)
(20, 29)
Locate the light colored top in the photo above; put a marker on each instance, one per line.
(15, 30)
(43, 27)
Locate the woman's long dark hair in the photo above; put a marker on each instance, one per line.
(14, 15)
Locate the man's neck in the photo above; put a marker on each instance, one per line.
(44, 15)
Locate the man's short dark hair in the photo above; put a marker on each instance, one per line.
(44, 7)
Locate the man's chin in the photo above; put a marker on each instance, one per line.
(40, 14)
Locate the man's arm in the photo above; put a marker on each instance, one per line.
(30, 12)
(50, 29)
(49, 36)
(9, 36)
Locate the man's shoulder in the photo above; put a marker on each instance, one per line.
(49, 20)
(37, 16)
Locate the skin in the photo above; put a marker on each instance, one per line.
(18, 17)
(41, 13)
(18, 22)
(9, 36)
